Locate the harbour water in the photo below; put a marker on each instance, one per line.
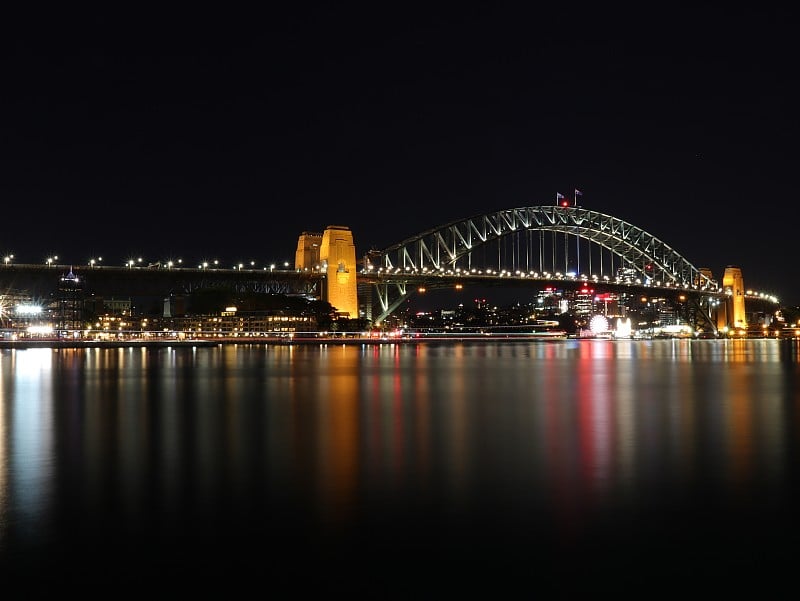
(545, 469)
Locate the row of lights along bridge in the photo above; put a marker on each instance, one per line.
(252, 265)
(169, 264)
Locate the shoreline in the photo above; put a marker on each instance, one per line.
(66, 344)
(79, 344)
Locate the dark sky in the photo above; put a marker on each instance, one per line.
(224, 135)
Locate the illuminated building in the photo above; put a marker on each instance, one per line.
(608, 304)
(69, 300)
(582, 305)
(550, 300)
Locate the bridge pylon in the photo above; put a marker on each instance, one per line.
(334, 253)
(731, 313)
(338, 255)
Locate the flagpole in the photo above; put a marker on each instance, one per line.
(577, 239)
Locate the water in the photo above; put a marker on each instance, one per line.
(550, 469)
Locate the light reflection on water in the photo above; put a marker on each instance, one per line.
(566, 449)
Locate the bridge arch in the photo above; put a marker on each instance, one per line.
(540, 241)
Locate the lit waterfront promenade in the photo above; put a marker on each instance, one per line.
(307, 338)
(311, 338)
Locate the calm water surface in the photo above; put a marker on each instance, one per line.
(552, 469)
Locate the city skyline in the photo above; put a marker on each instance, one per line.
(525, 258)
(612, 409)
(224, 137)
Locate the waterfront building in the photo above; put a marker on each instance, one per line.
(69, 304)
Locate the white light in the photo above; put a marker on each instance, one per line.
(623, 328)
(598, 324)
(677, 329)
(28, 309)
(40, 330)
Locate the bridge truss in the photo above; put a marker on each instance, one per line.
(537, 242)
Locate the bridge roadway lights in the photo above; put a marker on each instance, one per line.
(39, 281)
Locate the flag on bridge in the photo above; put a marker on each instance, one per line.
(560, 200)
(577, 193)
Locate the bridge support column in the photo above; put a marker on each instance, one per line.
(307, 254)
(733, 313)
(338, 253)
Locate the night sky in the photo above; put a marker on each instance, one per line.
(225, 135)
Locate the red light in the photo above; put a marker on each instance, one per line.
(564, 203)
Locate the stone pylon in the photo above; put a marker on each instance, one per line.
(338, 257)
(734, 314)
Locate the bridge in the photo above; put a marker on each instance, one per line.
(567, 247)
(537, 246)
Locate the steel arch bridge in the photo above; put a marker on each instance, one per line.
(565, 244)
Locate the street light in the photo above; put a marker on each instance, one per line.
(7, 259)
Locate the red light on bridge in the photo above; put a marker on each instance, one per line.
(564, 203)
